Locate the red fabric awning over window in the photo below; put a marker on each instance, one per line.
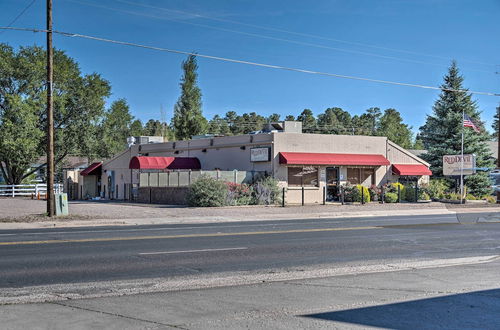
(404, 169)
(163, 163)
(93, 169)
(309, 158)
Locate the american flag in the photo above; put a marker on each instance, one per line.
(469, 123)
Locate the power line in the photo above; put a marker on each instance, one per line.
(293, 32)
(308, 44)
(270, 66)
(20, 14)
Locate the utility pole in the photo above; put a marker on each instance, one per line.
(50, 116)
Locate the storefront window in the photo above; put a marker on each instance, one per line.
(303, 176)
(353, 175)
(360, 175)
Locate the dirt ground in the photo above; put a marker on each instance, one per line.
(27, 210)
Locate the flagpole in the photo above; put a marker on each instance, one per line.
(462, 161)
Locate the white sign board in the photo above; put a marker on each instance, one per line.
(453, 163)
(260, 154)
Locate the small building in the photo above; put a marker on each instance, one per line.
(296, 159)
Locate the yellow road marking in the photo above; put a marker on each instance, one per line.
(137, 238)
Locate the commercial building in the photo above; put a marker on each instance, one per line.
(296, 159)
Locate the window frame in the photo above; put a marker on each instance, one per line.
(302, 169)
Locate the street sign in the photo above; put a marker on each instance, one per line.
(452, 164)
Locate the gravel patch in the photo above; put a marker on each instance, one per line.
(28, 210)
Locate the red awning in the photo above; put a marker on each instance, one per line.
(404, 169)
(309, 158)
(163, 163)
(93, 169)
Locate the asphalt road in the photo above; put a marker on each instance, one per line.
(71, 255)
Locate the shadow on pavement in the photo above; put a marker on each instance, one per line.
(473, 310)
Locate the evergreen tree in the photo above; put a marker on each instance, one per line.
(136, 128)
(308, 121)
(495, 125)
(115, 128)
(368, 123)
(273, 118)
(442, 131)
(188, 119)
(218, 126)
(290, 118)
(392, 126)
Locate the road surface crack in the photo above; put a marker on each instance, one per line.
(368, 288)
(120, 315)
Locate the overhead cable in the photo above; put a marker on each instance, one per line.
(270, 66)
(19, 15)
(308, 35)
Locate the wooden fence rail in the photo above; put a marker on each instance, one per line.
(27, 189)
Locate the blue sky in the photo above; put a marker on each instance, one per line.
(409, 41)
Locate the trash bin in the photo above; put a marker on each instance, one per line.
(61, 204)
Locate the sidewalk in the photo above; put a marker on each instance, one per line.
(26, 213)
(445, 294)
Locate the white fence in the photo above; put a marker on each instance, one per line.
(27, 189)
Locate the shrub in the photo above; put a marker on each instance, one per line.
(452, 196)
(479, 184)
(353, 193)
(239, 194)
(207, 191)
(391, 197)
(437, 188)
(266, 191)
(470, 197)
(375, 193)
(410, 194)
(491, 199)
(424, 196)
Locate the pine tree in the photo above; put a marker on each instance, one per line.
(392, 126)
(495, 124)
(442, 131)
(188, 119)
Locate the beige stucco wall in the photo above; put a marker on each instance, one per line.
(233, 152)
(123, 175)
(224, 153)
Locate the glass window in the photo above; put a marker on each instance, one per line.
(295, 176)
(368, 173)
(353, 175)
(303, 176)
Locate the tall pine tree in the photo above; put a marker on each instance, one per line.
(188, 119)
(442, 131)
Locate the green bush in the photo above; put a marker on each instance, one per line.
(452, 196)
(375, 193)
(424, 196)
(239, 194)
(491, 199)
(409, 194)
(353, 193)
(207, 191)
(470, 197)
(391, 197)
(437, 188)
(266, 191)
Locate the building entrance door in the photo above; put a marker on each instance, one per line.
(332, 184)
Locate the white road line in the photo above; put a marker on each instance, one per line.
(193, 251)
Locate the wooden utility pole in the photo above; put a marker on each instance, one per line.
(50, 116)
